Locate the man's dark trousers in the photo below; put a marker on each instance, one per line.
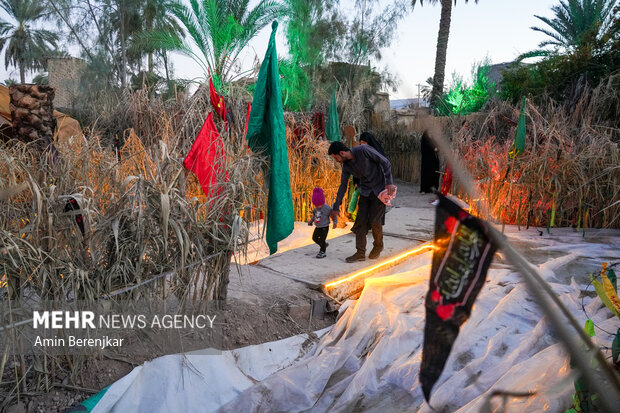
(370, 215)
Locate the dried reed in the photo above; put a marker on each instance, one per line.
(567, 177)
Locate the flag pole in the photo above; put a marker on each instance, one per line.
(609, 395)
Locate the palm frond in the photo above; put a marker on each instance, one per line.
(533, 53)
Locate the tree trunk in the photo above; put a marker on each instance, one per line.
(148, 24)
(165, 57)
(22, 72)
(442, 49)
(123, 45)
(32, 114)
(150, 63)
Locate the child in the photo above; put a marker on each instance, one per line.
(320, 216)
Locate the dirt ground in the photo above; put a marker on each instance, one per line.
(241, 323)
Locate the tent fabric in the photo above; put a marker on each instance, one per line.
(200, 381)
(266, 132)
(66, 126)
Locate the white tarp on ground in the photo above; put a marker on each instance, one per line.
(369, 360)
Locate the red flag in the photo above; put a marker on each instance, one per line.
(206, 157)
(217, 101)
(446, 183)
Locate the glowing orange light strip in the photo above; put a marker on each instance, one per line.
(381, 264)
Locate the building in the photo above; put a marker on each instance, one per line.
(64, 75)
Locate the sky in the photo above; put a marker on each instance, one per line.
(497, 29)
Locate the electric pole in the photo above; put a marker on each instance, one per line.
(418, 85)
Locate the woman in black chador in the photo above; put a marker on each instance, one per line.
(429, 165)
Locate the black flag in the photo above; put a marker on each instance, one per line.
(460, 262)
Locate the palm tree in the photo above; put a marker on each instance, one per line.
(26, 47)
(157, 19)
(442, 46)
(577, 24)
(219, 30)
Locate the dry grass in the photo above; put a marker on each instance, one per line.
(142, 213)
(567, 177)
(310, 166)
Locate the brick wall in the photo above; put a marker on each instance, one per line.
(64, 75)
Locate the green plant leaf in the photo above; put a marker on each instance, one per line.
(589, 328)
(615, 347)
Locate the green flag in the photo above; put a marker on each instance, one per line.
(266, 132)
(518, 145)
(332, 129)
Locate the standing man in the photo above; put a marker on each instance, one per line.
(375, 174)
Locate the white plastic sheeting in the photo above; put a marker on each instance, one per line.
(196, 382)
(369, 360)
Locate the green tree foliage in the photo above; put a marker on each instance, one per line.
(217, 31)
(427, 89)
(586, 43)
(157, 18)
(442, 46)
(113, 31)
(40, 79)
(463, 99)
(372, 29)
(313, 29)
(25, 46)
(120, 24)
(322, 31)
(577, 24)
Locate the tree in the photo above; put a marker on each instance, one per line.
(108, 25)
(26, 47)
(442, 46)
(116, 28)
(577, 24)
(157, 18)
(313, 29)
(120, 24)
(427, 89)
(219, 30)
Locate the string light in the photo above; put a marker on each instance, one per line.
(421, 248)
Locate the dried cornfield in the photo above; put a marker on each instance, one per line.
(310, 166)
(567, 177)
(119, 218)
(87, 221)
